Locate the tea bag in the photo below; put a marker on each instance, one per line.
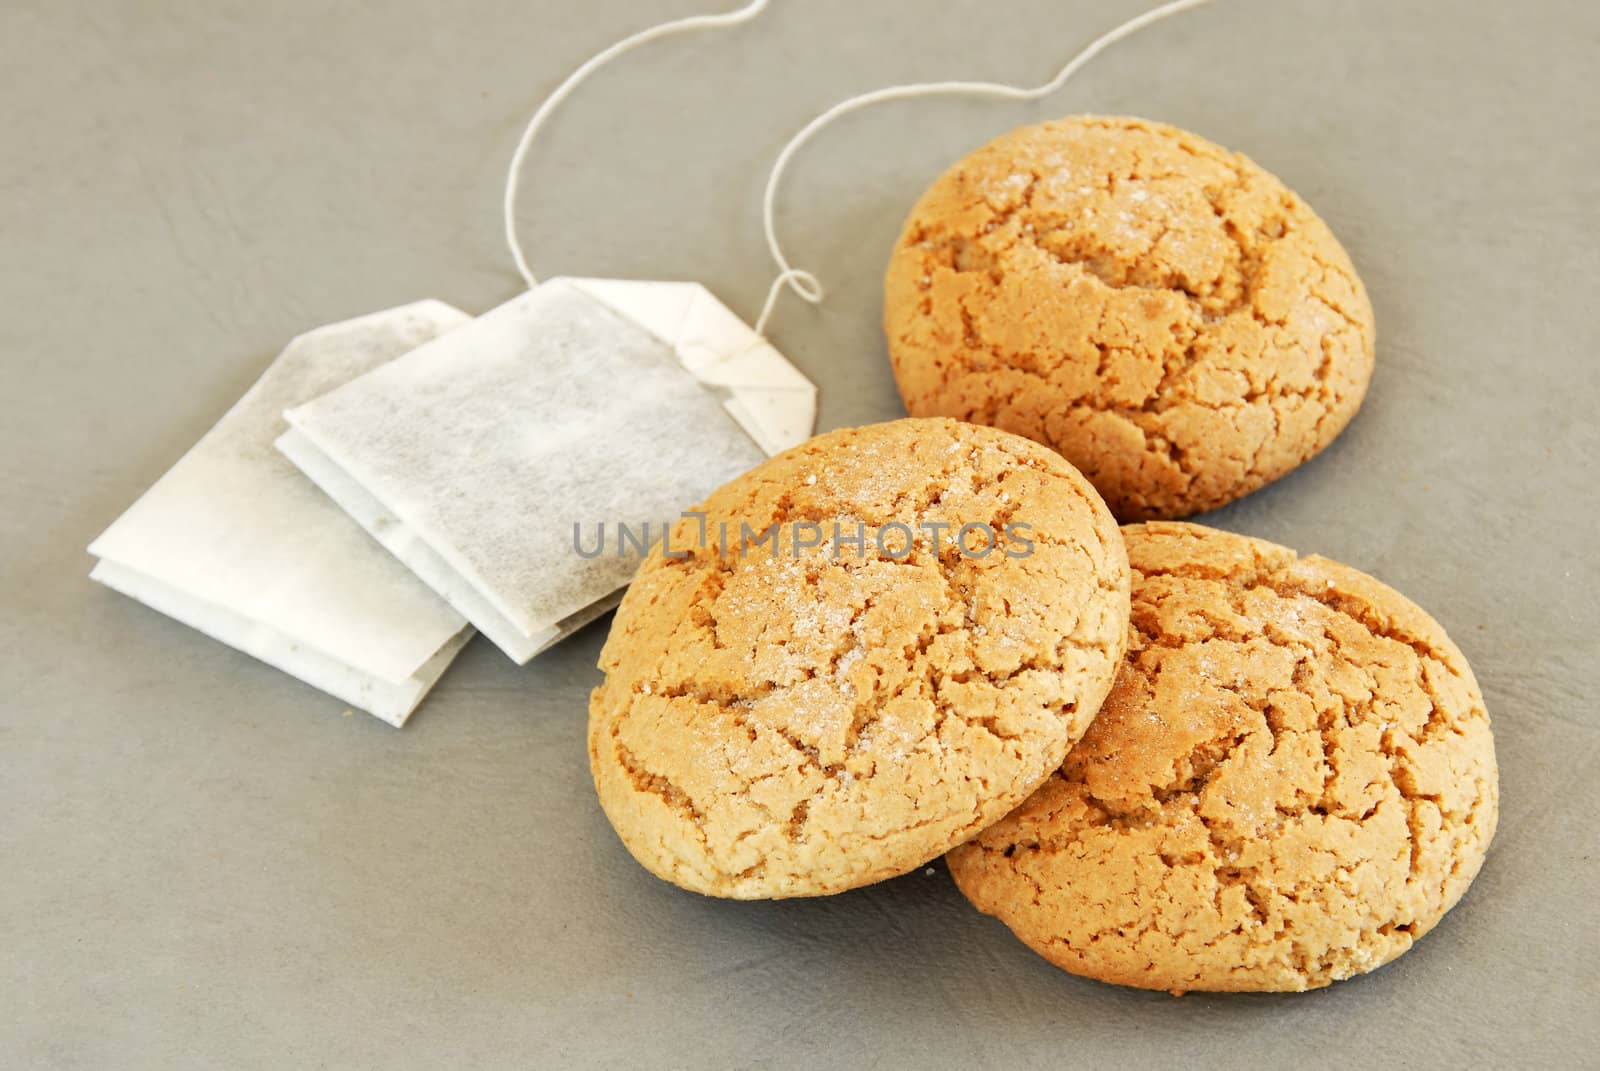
(601, 402)
(234, 542)
(580, 405)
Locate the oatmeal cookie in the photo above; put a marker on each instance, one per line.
(1292, 781)
(1166, 314)
(867, 686)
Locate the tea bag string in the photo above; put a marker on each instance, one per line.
(806, 285)
(564, 90)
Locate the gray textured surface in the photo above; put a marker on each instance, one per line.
(205, 865)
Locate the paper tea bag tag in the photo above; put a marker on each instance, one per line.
(477, 458)
(234, 542)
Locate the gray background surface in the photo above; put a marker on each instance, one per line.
(203, 864)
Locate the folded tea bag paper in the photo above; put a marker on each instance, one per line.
(235, 542)
(579, 403)
(766, 394)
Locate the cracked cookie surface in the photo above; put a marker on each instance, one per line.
(1170, 317)
(803, 722)
(1292, 780)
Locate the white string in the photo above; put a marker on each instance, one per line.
(564, 90)
(806, 285)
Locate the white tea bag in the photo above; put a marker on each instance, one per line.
(579, 403)
(233, 541)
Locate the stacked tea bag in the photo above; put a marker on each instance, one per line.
(393, 478)
(464, 453)
(233, 541)
(580, 403)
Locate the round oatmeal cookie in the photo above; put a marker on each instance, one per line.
(1291, 782)
(854, 657)
(1162, 311)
